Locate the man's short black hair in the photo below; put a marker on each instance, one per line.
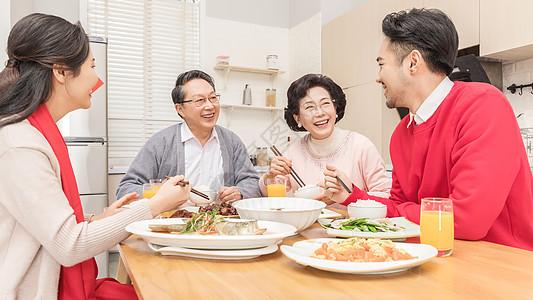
(429, 31)
(178, 93)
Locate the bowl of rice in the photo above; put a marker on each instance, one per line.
(367, 209)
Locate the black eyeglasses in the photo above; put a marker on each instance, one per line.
(203, 101)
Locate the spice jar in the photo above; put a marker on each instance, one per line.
(272, 62)
(271, 97)
(262, 156)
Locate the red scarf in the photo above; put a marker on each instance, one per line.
(78, 281)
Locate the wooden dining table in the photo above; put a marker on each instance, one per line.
(475, 270)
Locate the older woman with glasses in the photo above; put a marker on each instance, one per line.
(315, 104)
(208, 154)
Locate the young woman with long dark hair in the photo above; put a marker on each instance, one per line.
(47, 244)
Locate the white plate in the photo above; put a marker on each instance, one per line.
(214, 254)
(274, 234)
(411, 229)
(326, 214)
(300, 252)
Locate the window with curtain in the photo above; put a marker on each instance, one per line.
(149, 43)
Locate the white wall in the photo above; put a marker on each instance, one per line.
(331, 9)
(275, 13)
(67, 9)
(248, 45)
(519, 73)
(5, 26)
(304, 47)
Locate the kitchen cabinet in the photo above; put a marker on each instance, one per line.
(334, 50)
(465, 17)
(365, 37)
(504, 29)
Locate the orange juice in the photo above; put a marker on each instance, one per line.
(276, 190)
(436, 229)
(151, 192)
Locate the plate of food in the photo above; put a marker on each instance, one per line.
(328, 213)
(209, 231)
(214, 254)
(224, 209)
(359, 255)
(386, 228)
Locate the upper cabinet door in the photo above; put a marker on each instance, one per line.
(335, 50)
(465, 17)
(365, 37)
(505, 29)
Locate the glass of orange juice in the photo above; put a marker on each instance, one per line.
(436, 224)
(277, 187)
(151, 188)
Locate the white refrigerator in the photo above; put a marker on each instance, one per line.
(85, 132)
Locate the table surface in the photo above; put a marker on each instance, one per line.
(475, 269)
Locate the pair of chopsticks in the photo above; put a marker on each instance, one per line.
(185, 183)
(297, 178)
(344, 185)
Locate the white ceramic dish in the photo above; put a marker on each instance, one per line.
(214, 254)
(310, 191)
(411, 229)
(371, 212)
(299, 212)
(300, 252)
(198, 200)
(274, 234)
(327, 214)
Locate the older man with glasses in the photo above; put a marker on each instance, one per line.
(207, 154)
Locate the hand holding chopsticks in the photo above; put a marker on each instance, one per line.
(297, 178)
(336, 188)
(184, 183)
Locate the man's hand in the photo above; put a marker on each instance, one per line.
(229, 193)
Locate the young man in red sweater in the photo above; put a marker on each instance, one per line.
(460, 140)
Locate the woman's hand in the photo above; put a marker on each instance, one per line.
(279, 166)
(170, 195)
(115, 207)
(229, 193)
(334, 189)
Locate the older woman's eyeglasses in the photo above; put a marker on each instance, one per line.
(203, 101)
(313, 107)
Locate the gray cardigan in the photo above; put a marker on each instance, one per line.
(163, 155)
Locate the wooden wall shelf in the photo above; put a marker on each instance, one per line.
(228, 68)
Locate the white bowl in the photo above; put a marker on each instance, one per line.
(309, 191)
(299, 212)
(358, 212)
(198, 200)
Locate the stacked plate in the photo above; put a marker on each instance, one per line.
(212, 246)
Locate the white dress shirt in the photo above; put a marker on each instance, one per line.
(432, 102)
(203, 165)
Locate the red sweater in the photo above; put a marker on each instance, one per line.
(470, 150)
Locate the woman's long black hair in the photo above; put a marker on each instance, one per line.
(37, 44)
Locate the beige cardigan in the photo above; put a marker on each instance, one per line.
(38, 231)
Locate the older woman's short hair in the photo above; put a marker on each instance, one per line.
(298, 90)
